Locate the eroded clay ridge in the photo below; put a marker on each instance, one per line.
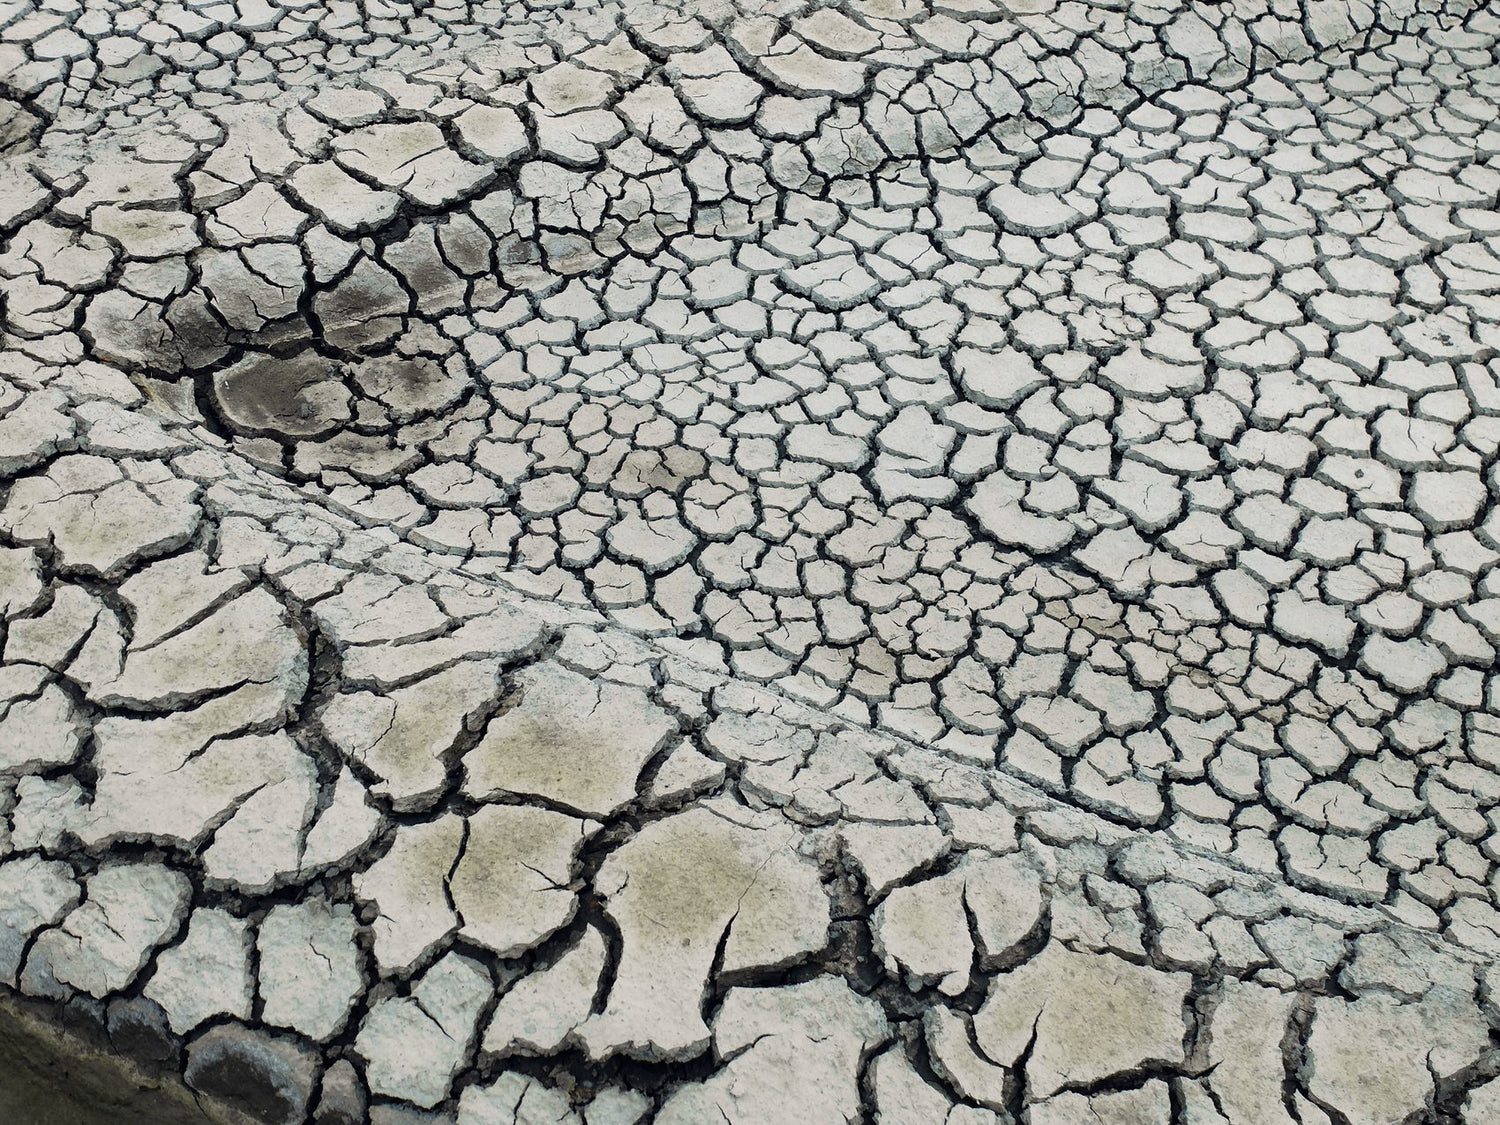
(606, 564)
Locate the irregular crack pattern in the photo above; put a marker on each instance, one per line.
(617, 562)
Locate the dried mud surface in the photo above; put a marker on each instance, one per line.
(606, 563)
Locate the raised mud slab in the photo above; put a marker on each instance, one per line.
(602, 563)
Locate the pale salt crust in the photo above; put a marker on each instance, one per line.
(608, 564)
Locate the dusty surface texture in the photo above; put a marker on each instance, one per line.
(893, 562)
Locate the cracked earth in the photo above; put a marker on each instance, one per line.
(599, 563)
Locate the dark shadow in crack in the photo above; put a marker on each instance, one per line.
(51, 1076)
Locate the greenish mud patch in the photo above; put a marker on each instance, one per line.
(51, 1076)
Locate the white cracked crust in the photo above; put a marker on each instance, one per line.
(608, 563)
